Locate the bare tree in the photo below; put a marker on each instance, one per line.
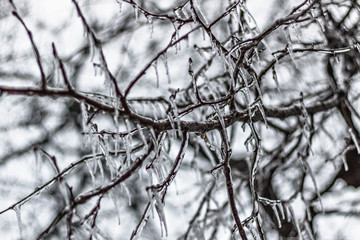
(199, 123)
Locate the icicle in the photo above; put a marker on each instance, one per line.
(116, 144)
(314, 182)
(38, 164)
(165, 61)
(94, 144)
(127, 150)
(273, 206)
(91, 172)
(257, 86)
(275, 78)
(57, 73)
(153, 136)
(114, 199)
(291, 54)
(126, 189)
(296, 222)
(179, 12)
(142, 136)
(296, 32)
(193, 15)
(281, 209)
(149, 172)
(160, 211)
(176, 37)
(84, 115)
(236, 15)
(246, 10)
(202, 15)
(19, 221)
(143, 222)
(290, 47)
(355, 140)
(262, 111)
(288, 214)
(257, 57)
(346, 167)
(221, 118)
(120, 5)
(151, 25)
(171, 120)
(136, 10)
(101, 169)
(308, 212)
(176, 114)
(203, 34)
(92, 46)
(357, 46)
(308, 230)
(182, 155)
(198, 232)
